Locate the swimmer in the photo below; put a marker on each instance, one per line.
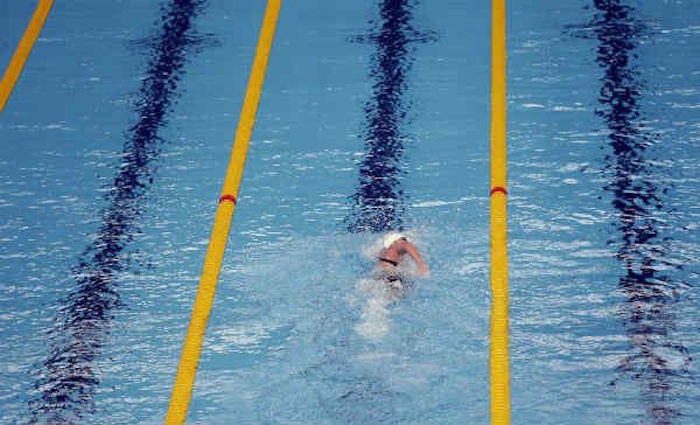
(395, 247)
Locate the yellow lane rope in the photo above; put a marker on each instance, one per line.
(184, 381)
(9, 79)
(500, 385)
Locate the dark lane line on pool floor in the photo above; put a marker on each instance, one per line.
(379, 201)
(66, 381)
(650, 294)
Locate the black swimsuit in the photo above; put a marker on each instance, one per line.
(391, 276)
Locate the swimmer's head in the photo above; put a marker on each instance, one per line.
(392, 237)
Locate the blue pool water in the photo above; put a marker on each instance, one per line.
(374, 115)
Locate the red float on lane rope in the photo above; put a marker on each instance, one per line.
(227, 197)
(499, 189)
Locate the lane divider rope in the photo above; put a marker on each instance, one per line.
(191, 350)
(499, 358)
(14, 68)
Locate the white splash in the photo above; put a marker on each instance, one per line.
(375, 321)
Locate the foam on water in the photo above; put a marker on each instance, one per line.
(375, 321)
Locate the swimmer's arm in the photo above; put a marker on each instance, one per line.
(413, 252)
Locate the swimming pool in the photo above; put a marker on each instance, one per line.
(114, 146)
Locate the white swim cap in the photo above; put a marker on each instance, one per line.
(392, 237)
